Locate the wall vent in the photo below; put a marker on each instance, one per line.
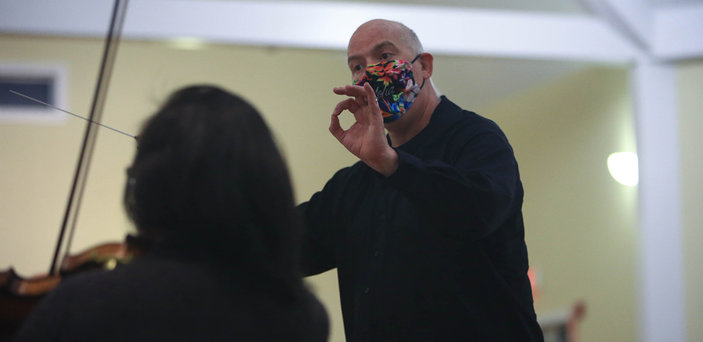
(42, 82)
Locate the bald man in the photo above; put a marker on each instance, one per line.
(426, 230)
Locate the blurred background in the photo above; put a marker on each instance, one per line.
(570, 82)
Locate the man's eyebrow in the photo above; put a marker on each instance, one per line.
(376, 48)
(383, 44)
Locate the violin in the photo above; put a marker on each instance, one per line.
(18, 295)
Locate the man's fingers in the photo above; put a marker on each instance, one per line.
(336, 128)
(352, 90)
(348, 104)
(364, 95)
(340, 90)
(348, 89)
(370, 94)
(362, 104)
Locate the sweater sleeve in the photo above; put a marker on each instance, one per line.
(321, 221)
(471, 194)
(317, 256)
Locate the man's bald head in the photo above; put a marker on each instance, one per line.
(404, 34)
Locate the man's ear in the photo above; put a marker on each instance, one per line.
(427, 62)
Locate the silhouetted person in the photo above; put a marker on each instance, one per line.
(212, 202)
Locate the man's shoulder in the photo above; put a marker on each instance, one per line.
(457, 116)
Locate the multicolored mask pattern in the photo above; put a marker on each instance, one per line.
(394, 85)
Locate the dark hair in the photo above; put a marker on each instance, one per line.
(208, 181)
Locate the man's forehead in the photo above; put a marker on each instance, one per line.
(373, 47)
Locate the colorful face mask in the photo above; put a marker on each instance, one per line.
(394, 85)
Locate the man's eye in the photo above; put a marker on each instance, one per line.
(385, 55)
(356, 67)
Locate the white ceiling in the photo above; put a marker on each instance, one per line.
(555, 6)
(560, 6)
(658, 3)
(492, 74)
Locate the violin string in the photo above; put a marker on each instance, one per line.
(76, 115)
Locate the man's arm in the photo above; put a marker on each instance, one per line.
(480, 190)
(319, 229)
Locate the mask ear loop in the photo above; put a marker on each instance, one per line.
(416, 91)
(423, 80)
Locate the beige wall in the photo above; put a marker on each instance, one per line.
(580, 224)
(292, 88)
(581, 228)
(690, 83)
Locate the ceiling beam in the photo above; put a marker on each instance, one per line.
(631, 18)
(678, 32)
(328, 25)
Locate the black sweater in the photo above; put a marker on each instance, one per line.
(158, 298)
(436, 251)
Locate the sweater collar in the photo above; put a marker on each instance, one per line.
(442, 117)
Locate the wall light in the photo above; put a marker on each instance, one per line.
(187, 43)
(623, 167)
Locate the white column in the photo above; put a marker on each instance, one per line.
(661, 296)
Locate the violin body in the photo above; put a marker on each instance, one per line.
(19, 296)
(104, 256)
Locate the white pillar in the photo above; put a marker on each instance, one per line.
(661, 296)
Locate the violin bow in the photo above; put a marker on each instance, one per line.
(49, 105)
(78, 186)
